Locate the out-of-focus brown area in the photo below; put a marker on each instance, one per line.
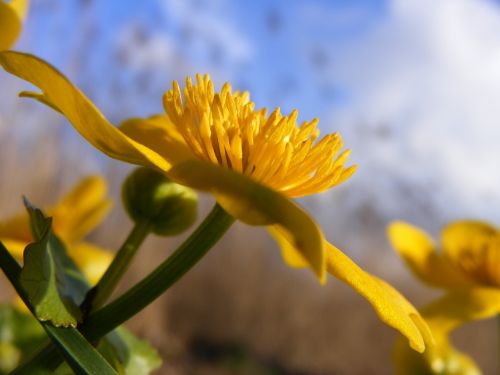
(241, 310)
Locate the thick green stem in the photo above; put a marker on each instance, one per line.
(100, 293)
(146, 291)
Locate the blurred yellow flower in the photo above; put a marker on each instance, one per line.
(12, 14)
(467, 266)
(251, 162)
(73, 218)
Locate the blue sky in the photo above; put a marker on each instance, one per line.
(275, 49)
(412, 85)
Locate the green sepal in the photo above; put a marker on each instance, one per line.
(53, 283)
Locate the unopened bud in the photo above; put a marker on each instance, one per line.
(150, 196)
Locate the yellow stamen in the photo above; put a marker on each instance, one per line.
(224, 128)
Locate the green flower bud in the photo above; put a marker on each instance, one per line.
(150, 196)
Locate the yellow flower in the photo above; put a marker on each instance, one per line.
(466, 265)
(251, 162)
(73, 218)
(12, 14)
(225, 129)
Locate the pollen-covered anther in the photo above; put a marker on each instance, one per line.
(224, 128)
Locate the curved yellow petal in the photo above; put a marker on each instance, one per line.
(79, 110)
(419, 252)
(391, 307)
(461, 237)
(160, 135)
(92, 260)
(290, 254)
(81, 210)
(12, 14)
(16, 228)
(460, 306)
(15, 247)
(440, 359)
(41, 98)
(255, 204)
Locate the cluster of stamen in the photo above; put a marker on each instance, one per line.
(225, 129)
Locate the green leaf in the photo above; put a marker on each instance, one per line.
(78, 352)
(51, 288)
(126, 353)
(72, 281)
(104, 320)
(135, 356)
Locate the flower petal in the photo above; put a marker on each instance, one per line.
(12, 14)
(290, 254)
(92, 260)
(16, 228)
(391, 307)
(419, 252)
(463, 236)
(255, 204)
(84, 116)
(15, 247)
(81, 210)
(460, 306)
(160, 135)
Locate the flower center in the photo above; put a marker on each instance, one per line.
(225, 128)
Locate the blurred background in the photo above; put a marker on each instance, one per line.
(412, 86)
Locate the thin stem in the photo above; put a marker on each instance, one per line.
(146, 291)
(100, 293)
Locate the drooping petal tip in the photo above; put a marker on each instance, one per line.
(391, 307)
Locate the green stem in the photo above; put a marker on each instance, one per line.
(100, 293)
(146, 291)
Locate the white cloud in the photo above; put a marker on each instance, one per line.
(424, 89)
